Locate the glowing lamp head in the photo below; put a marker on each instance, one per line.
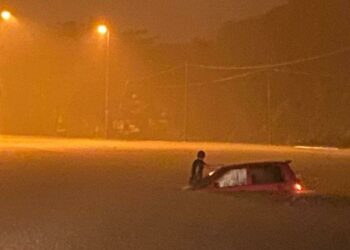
(102, 29)
(6, 15)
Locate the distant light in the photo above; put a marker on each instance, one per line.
(102, 29)
(6, 15)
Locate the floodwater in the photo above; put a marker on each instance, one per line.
(82, 194)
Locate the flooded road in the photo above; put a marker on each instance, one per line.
(83, 194)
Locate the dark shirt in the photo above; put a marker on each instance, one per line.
(197, 169)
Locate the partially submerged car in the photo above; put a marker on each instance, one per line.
(258, 176)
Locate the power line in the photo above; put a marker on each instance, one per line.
(221, 80)
(160, 73)
(293, 72)
(227, 79)
(276, 65)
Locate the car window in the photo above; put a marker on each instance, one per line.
(234, 177)
(266, 174)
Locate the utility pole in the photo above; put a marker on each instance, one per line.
(186, 104)
(268, 108)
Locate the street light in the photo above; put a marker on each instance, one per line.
(104, 31)
(6, 15)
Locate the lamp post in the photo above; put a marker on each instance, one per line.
(5, 16)
(104, 31)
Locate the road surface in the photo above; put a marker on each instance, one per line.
(85, 194)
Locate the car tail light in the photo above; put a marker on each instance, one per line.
(211, 173)
(298, 187)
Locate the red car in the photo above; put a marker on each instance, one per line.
(261, 176)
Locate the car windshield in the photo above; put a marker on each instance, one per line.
(234, 177)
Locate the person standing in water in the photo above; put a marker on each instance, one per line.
(197, 169)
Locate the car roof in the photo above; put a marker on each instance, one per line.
(256, 164)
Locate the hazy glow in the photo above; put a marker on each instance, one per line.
(102, 29)
(6, 15)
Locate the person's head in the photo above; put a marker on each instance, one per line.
(201, 155)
